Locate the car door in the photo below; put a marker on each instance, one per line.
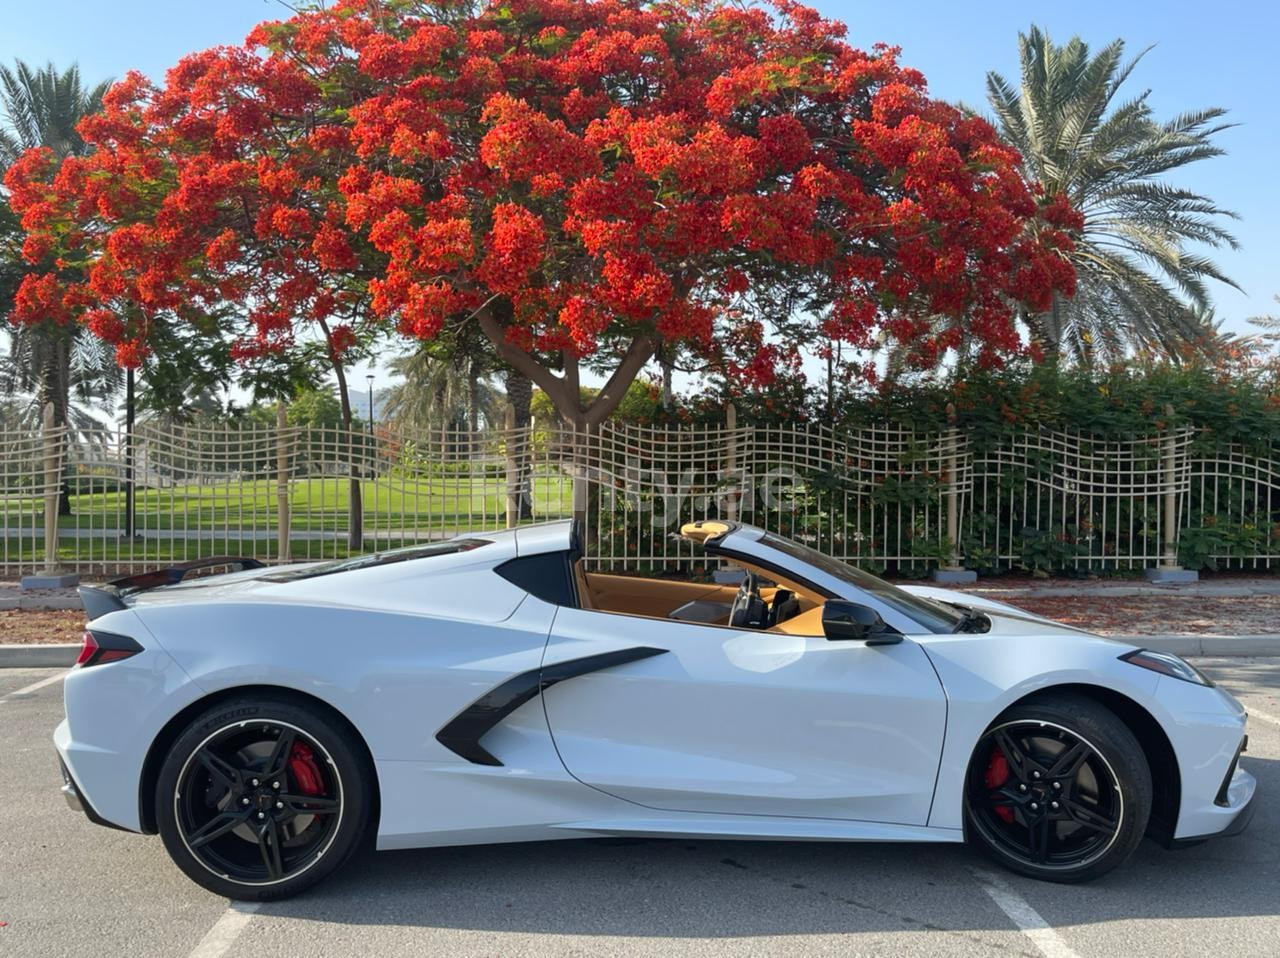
(734, 721)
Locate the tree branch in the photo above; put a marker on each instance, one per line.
(518, 359)
(572, 382)
(638, 353)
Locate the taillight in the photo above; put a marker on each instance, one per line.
(88, 650)
(102, 647)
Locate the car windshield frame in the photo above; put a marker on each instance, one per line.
(929, 614)
(373, 560)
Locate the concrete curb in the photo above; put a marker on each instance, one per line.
(1207, 645)
(994, 588)
(50, 656)
(40, 603)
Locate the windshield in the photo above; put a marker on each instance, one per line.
(375, 559)
(934, 616)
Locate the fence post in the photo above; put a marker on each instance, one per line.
(51, 489)
(1169, 571)
(735, 491)
(282, 483)
(580, 458)
(513, 466)
(52, 441)
(953, 571)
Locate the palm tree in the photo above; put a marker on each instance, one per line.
(43, 108)
(51, 362)
(1269, 324)
(11, 265)
(446, 392)
(1140, 266)
(75, 373)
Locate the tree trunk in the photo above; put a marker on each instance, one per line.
(563, 390)
(668, 396)
(1045, 329)
(519, 390)
(473, 397)
(564, 394)
(55, 387)
(355, 506)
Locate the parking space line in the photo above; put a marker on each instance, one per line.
(1024, 916)
(225, 930)
(1254, 713)
(33, 687)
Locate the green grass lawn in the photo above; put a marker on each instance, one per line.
(25, 551)
(315, 504)
(190, 521)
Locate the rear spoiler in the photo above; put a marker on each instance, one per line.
(99, 600)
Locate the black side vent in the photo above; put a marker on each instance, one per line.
(463, 733)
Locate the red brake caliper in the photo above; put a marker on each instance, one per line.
(302, 763)
(996, 775)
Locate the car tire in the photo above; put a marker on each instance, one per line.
(1032, 817)
(259, 798)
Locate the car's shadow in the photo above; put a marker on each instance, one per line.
(701, 888)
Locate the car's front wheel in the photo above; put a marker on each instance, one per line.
(259, 798)
(1058, 789)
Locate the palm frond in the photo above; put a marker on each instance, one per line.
(1142, 273)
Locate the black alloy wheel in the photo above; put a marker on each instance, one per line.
(1058, 789)
(264, 805)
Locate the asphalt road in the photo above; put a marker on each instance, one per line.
(70, 888)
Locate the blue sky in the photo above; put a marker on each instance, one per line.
(1220, 54)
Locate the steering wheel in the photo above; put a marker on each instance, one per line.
(749, 610)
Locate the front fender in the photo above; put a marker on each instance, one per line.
(984, 674)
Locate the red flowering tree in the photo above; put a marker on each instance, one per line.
(586, 180)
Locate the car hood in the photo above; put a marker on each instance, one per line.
(1005, 619)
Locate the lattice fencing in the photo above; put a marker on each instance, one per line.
(876, 497)
(1054, 500)
(27, 482)
(881, 496)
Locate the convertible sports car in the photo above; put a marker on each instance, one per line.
(488, 689)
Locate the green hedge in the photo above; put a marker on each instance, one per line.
(1234, 399)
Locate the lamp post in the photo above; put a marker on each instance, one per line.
(369, 380)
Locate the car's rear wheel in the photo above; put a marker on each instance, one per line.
(259, 799)
(1058, 789)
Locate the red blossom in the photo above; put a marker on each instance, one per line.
(514, 248)
(599, 169)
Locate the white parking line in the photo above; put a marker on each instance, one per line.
(33, 687)
(1024, 916)
(1255, 714)
(225, 930)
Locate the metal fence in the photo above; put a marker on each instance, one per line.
(884, 497)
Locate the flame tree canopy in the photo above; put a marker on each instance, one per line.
(583, 180)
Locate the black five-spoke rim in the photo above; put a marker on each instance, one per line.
(1044, 795)
(258, 802)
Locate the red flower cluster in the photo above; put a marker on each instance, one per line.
(603, 169)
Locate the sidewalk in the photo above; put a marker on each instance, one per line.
(1224, 586)
(14, 597)
(1226, 606)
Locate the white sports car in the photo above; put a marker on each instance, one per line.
(488, 689)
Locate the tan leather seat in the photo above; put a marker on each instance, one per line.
(584, 588)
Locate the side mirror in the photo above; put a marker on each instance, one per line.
(842, 619)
